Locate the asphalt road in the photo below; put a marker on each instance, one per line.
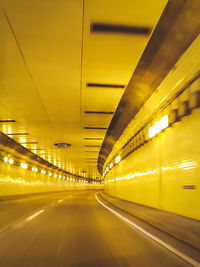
(73, 229)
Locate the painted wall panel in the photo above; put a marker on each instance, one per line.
(165, 172)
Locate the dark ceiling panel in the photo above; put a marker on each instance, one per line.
(119, 29)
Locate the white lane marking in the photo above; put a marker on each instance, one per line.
(153, 237)
(34, 215)
(59, 201)
(28, 219)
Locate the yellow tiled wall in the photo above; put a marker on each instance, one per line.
(165, 172)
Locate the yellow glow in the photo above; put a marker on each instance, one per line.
(118, 158)
(159, 126)
(164, 122)
(50, 174)
(11, 161)
(33, 168)
(36, 169)
(5, 159)
(55, 175)
(22, 140)
(24, 165)
(60, 176)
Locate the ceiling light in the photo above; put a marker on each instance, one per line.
(62, 145)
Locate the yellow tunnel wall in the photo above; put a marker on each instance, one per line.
(165, 172)
(15, 180)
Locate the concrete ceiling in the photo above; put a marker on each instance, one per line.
(50, 55)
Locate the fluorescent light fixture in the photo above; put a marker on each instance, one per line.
(24, 165)
(11, 161)
(107, 169)
(36, 169)
(164, 122)
(5, 159)
(117, 160)
(159, 126)
(111, 165)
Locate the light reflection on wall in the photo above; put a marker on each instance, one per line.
(134, 175)
(183, 165)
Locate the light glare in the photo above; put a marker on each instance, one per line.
(11, 161)
(118, 158)
(5, 159)
(24, 165)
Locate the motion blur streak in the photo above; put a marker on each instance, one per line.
(76, 232)
(159, 241)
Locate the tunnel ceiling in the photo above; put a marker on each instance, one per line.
(65, 65)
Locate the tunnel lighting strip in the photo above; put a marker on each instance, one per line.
(24, 165)
(159, 126)
(153, 237)
(117, 160)
(9, 159)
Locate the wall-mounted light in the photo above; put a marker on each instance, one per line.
(117, 160)
(111, 165)
(24, 165)
(11, 161)
(50, 174)
(55, 175)
(5, 159)
(159, 126)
